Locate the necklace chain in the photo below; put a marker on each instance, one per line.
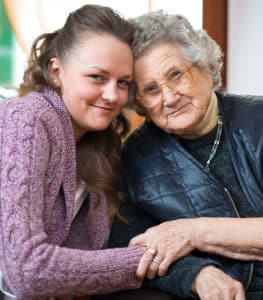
(216, 142)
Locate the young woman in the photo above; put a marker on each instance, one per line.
(59, 161)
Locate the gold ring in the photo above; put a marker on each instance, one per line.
(157, 260)
(152, 251)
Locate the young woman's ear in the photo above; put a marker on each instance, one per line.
(54, 70)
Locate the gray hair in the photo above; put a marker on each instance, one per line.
(196, 45)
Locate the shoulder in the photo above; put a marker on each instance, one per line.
(241, 109)
(136, 145)
(143, 138)
(146, 145)
(28, 110)
(30, 120)
(241, 103)
(243, 116)
(30, 104)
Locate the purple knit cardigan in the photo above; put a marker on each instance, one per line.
(43, 252)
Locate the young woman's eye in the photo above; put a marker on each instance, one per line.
(123, 83)
(96, 77)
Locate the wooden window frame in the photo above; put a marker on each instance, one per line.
(215, 23)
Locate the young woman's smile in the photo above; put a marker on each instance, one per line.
(94, 82)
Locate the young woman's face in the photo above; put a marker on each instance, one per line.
(174, 94)
(94, 82)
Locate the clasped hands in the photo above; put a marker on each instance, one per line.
(165, 243)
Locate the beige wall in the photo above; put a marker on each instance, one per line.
(245, 47)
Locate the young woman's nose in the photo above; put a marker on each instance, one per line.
(110, 92)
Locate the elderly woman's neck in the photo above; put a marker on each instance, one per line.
(209, 120)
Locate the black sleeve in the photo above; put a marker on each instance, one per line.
(131, 222)
(178, 280)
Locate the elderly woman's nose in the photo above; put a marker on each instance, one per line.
(169, 96)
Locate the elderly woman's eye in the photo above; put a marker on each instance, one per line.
(176, 74)
(151, 89)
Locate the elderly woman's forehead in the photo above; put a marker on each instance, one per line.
(162, 54)
(173, 43)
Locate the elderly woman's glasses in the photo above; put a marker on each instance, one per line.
(175, 81)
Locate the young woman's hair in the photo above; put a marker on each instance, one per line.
(98, 163)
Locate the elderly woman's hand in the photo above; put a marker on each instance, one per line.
(166, 243)
(213, 283)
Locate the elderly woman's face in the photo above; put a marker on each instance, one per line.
(174, 94)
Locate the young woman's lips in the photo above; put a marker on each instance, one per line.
(103, 107)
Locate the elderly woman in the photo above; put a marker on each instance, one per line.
(194, 167)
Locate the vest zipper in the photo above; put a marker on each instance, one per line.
(232, 201)
(237, 213)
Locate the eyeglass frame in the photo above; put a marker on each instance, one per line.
(164, 83)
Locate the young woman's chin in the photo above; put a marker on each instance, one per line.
(99, 127)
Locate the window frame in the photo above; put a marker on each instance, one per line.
(215, 23)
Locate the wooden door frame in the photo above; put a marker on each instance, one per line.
(215, 23)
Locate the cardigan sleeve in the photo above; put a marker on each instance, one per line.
(31, 265)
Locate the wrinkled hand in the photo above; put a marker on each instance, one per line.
(213, 283)
(168, 241)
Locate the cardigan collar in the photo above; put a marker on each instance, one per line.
(69, 183)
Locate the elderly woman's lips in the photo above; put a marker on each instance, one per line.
(178, 110)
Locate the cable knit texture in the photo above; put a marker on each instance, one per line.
(43, 252)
